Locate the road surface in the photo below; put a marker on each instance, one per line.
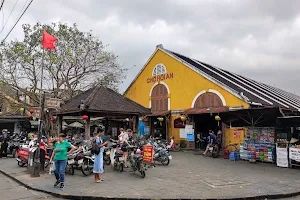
(11, 190)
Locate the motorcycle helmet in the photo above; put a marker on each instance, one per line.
(138, 151)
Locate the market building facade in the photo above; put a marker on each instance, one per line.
(176, 88)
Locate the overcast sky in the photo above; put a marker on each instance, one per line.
(257, 39)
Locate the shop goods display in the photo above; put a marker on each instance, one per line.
(258, 145)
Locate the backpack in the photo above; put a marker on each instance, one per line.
(95, 147)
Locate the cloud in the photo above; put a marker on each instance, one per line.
(258, 39)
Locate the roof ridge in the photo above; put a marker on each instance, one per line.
(127, 98)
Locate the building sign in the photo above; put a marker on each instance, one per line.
(36, 112)
(53, 103)
(178, 123)
(148, 153)
(160, 77)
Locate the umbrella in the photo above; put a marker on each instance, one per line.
(76, 125)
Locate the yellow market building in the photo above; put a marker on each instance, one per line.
(175, 86)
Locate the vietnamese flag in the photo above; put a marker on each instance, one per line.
(48, 41)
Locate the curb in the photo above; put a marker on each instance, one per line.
(73, 197)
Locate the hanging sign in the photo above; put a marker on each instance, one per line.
(148, 153)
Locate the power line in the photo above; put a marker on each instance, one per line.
(22, 9)
(2, 4)
(9, 16)
(17, 21)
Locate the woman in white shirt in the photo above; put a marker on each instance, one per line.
(123, 138)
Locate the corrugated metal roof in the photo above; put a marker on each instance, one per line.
(195, 111)
(251, 91)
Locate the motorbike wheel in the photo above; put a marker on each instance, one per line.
(21, 164)
(143, 173)
(215, 153)
(165, 160)
(142, 170)
(121, 167)
(70, 169)
(177, 148)
(47, 163)
(14, 153)
(106, 160)
(85, 168)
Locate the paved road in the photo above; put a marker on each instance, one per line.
(187, 176)
(10, 190)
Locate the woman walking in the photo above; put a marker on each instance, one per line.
(98, 163)
(60, 159)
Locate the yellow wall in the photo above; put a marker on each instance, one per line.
(230, 139)
(184, 86)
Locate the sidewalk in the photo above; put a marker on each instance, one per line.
(188, 176)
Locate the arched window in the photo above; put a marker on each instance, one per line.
(159, 69)
(159, 98)
(207, 100)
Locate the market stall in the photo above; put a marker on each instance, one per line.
(258, 144)
(288, 145)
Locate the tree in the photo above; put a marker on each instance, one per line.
(80, 60)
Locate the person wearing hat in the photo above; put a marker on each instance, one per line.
(101, 142)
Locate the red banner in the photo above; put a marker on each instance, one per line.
(148, 153)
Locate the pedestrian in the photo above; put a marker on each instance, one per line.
(60, 159)
(98, 162)
(121, 133)
(123, 137)
(4, 147)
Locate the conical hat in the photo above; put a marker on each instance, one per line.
(294, 140)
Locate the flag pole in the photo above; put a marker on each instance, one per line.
(37, 160)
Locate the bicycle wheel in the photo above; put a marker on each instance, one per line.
(232, 148)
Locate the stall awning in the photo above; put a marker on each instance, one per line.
(159, 114)
(289, 120)
(195, 111)
(251, 117)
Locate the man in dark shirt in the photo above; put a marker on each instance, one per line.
(212, 139)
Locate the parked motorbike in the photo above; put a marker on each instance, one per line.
(12, 148)
(106, 156)
(23, 157)
(160, 154)
(75, 161)
(119, 161)
(136, 161)
(88, 161)
(214, 150)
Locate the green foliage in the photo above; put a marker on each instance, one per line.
(79, 61)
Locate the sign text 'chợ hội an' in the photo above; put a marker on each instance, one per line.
(160, 77)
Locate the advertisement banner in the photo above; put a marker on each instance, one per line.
(282, 157)
(148, 153)
(295, 154)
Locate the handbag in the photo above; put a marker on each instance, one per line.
(52, 168)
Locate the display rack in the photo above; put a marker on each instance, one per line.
(260, 144)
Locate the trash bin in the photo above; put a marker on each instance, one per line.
(33, 165)
(31, 154)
